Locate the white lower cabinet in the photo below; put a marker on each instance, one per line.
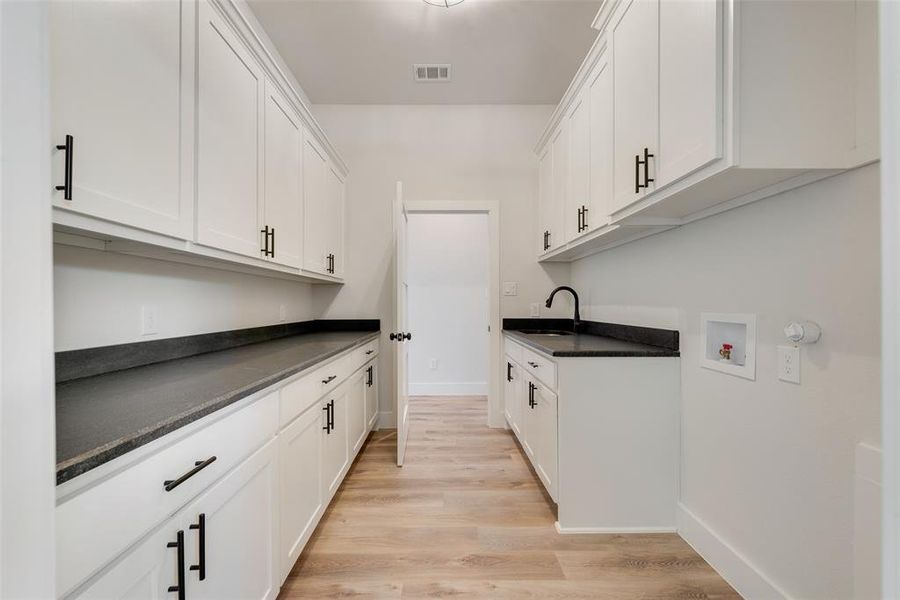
(601, 434)
(232, 533)
(371, 396)
(235, 527)
(334, 452)
(300, 463)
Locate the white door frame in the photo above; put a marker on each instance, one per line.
(492, 209)
(890, 291)
(27, 378)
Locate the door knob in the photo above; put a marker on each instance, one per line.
(395, 336)
(408, 336)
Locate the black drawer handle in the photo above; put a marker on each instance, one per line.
(329, 380)
(533, 365)
(179, 544)
(509, 371)
(69, 147)
(200, 526)
(171, 484)
(368, 352)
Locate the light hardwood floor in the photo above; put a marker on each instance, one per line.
(466, 517)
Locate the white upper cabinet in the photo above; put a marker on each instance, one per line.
(697, 106)
(635, 37)
(690, 87)
(121, 83)
(578, 200)
(545, 193)
(176, 136)
(335, 223)
(601, 136)
(283, 180)
(553, 196)
(230, 93)
(315, 199)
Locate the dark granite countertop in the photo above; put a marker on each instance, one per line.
(593, 339)
(101, 417)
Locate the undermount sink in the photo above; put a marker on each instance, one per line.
(550, 332)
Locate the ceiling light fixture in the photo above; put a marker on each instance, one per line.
(443, 3)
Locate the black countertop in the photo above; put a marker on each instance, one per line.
(594, 339)
(101, 417)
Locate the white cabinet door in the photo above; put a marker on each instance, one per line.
(636, 89)
(147, 571)
(546, 450)
(371, 396)
(122, 87)
(335, 222)
(545, 194)
(578, 198)
(356, 412)
(512, 396)
(600, 97)
(300, 465)
(230, 94)
(235, 526)
(283, 172)
(530, 437)
(315, 216)
(334, 447)
(690, 86)
(560, 187)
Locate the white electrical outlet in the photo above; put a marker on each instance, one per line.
(282, 313)
(432, 364)
(535, 309)
(510, 288)
(789, 364)
(148, 320)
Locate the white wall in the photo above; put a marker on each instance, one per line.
(440, 153)
(768, 466)
(99, 295)
(448, 303)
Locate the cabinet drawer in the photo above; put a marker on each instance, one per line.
(513, 350)
(365, 353)
(539, 366)
(98, 524)
(300, 394)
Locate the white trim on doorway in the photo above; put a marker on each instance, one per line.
(492, 209)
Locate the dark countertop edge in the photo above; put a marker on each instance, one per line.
(78, 465)
(657, 353)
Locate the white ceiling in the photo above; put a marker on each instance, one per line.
(362, 51)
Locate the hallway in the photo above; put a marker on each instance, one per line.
(467, 518)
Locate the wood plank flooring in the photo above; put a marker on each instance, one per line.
(466, 517)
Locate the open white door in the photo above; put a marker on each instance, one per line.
(401, 334)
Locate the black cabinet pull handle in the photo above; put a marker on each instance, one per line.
(370, 376)
(530, 395)
(69, 147)
(331, 415)
(171, 484)
(329, 379)
(265, 232)
(584, 223)
(408, 336)
(179, 544)
(580, 219)
(273, 243)
(509, 371)
(637, 173)
(368, 352)
(533, 365)
(327, 410)
(200, 526)
(647, 179)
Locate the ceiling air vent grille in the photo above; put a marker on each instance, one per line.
(431, 73)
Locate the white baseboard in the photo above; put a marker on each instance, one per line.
(448, 389)
(749, 581)
(583, 530)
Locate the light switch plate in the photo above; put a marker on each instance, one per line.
(789, 364)
(149, 325)
(510, 288)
